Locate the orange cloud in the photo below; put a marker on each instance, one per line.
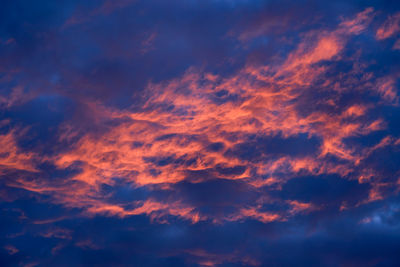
(169, 137)
(11, 249)
(11, 156)
(389, 28)
(204, 258)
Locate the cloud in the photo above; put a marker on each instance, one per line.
(205, 133)
(261, 134)
(389, 28)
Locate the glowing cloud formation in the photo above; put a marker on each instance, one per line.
(200, 133)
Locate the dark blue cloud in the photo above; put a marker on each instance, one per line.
(263, 148)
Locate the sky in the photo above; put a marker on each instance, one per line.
(199, 133)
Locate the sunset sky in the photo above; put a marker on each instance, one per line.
(199, 133)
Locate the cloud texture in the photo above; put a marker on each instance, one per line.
(199, 133)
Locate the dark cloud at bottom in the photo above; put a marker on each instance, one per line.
(102, 241)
